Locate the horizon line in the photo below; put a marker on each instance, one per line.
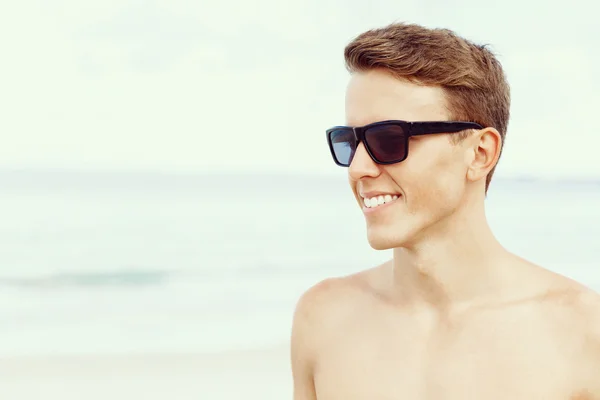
(70, 170)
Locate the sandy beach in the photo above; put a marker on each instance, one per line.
(256, 374)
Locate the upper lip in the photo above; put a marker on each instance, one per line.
(370, 195)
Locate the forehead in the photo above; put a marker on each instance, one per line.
(375, 95)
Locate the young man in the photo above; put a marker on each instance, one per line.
(453, 315)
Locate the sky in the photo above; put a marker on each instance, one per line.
(213, 86)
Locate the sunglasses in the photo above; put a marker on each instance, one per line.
(386, 141)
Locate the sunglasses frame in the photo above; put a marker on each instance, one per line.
(410, 128)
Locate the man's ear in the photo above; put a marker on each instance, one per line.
(485, 145)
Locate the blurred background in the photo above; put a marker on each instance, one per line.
(165, 182)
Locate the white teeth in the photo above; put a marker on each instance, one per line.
(379, 200)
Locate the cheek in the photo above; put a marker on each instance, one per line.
(436, 188)
(432, 192)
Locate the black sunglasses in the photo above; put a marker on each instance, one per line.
(385, 141)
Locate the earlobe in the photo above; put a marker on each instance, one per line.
(486, 151)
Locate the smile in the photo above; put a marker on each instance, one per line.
(378, 201)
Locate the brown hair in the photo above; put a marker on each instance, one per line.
(471, 76)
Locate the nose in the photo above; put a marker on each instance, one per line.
(362, 164)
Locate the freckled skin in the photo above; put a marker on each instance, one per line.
(453, 315)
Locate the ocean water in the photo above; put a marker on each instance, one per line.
(138, 262)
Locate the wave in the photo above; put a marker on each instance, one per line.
(145, 277)
(126, 277)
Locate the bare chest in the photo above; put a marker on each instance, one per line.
(470, 361)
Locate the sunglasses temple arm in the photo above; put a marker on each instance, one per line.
(437, 127)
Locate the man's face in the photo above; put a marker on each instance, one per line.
(429, 184)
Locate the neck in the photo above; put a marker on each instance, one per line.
(460, 261)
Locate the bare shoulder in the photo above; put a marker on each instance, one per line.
(586, 304)
(574, 302)
(319, 313)
(580, 302)
(575, 311)
(566, 314)
(586, 307)
(330, 300)
(322, 308)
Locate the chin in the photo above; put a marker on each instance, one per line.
(385, 238)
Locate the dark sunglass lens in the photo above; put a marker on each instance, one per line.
(343, 144)
(387, 143)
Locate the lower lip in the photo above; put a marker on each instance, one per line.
(368, 210)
